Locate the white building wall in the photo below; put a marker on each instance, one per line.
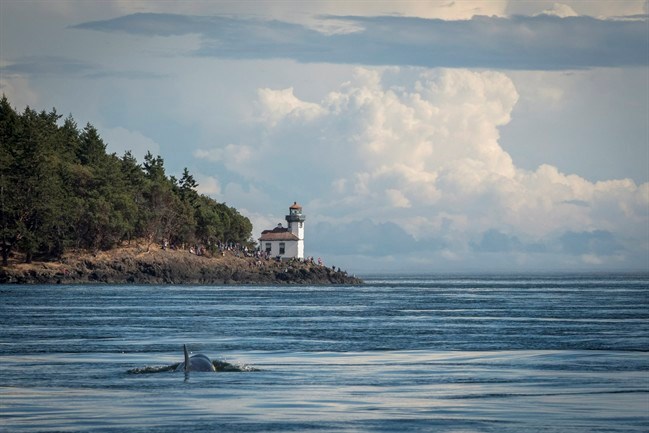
(299, 249)
(297, 228)
(291, 249)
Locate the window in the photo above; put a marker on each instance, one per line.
(282, 248)
(268, 247)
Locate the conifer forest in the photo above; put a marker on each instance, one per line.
(60, 191)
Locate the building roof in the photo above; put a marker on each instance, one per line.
(278, 234)
(295, 206)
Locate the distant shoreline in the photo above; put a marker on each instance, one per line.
(140, 265)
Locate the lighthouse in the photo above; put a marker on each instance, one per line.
(295, 220)
(286, 242)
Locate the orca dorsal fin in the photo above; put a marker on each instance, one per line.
(186, 358)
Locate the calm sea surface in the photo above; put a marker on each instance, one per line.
(442, 354)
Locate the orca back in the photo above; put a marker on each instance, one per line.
(198, 362)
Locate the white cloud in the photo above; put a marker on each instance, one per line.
(397, 199)
(592, 259)
(278, 105)
(568, 8)
(18, 91)
(560, 10)
(231, 153)
(439, 130)
(119, 140)
(208, 185)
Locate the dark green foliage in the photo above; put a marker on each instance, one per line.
(59, 189)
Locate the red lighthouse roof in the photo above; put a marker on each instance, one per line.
(295, 206)
(279, 233)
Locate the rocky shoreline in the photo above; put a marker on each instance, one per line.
(135, 265)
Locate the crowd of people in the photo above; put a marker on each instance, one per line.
(239, 250)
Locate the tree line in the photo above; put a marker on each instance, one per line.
(61, 190)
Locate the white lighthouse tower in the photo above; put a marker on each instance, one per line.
(295, 220)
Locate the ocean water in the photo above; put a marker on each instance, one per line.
(440, 354)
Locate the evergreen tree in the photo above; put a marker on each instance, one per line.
(36, 187)
(188, 188)
(91, 147)
(154, 167)
(10, 129)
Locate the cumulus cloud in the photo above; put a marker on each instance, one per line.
(208, 185)
(560, 10)
(120, 140)
(282, 104)
(18, 90)
(419, 150)
(397, 145)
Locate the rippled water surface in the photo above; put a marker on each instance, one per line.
(443, 354)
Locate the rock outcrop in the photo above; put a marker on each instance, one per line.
(134, 266)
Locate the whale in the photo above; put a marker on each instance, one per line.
(198, 362)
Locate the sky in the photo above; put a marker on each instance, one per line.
(419, 136)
